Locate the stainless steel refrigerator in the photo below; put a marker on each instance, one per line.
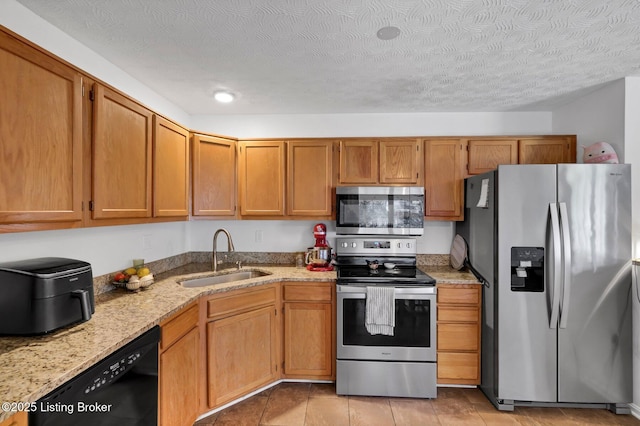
(553, 243)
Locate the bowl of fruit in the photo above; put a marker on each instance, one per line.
(133, 278)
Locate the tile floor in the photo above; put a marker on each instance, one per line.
(288, 404)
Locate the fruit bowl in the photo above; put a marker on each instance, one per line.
(129, 280)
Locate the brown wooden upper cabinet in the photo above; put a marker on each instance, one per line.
(400, 161)
(358, 161)
(261, 172)
(170, 169)
(309, 177)
(390, 161)
(547, 150)
(214, 176)
(121, 169)
(485, 154)
(443, 179)
(308, 165)
(41, 140)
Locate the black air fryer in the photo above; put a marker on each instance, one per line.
(41, 295)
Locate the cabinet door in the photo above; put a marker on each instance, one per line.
(400, 161)
(547, 150)
(308, 339)
(179, 374)
(358, 161)
(241, 354)
(309, 178)
(261, 181)
(459, 321)
(458, 368)
(485, 155)
(40, 139)
(21, 418)
(214, 176)
(121, 157)
(443, 181)
(170, 169)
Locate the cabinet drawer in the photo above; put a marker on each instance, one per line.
(458, 313)
(465, 296)
(458, 368)
(178, 325)
(240, 301)
(312, 292)
(458, 337)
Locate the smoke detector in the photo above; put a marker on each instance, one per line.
(388, 33)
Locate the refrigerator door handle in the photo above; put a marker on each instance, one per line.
(566, 254)
(557, 265)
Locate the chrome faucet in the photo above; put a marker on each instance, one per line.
(230, 248)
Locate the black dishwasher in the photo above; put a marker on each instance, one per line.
(122, 390)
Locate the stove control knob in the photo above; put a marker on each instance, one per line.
(399, 245)
(408, 245)
(354, 245)
(344, 245)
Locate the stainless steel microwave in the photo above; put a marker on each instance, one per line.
(380, 210)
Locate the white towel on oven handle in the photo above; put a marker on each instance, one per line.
(380, 310)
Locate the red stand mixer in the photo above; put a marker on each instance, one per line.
(318, 257)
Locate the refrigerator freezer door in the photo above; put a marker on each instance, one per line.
(479, 230)
(594, 350)
(527, 366)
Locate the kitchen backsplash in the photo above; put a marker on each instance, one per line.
(102, 283)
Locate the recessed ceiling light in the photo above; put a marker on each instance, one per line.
(224, 97)
(388, 33)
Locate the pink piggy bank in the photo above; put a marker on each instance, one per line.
(599, 152)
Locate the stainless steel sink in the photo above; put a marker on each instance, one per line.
(221, 279)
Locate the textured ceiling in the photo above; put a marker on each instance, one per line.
(294, 56)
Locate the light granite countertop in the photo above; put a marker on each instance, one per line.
(31, 367)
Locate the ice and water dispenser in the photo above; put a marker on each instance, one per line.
(527, 269)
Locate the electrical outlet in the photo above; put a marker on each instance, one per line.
(259, 236)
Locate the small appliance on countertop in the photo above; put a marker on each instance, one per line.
(318, 258)
(38, 296)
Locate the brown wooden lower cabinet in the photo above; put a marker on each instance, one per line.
(20, 418)
(459, 326)
(309, 330)
(179, 369)
(241, 342)
(232, 343)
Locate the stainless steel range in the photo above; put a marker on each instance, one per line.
(400, 362)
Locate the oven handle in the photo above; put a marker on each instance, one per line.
(418, 291)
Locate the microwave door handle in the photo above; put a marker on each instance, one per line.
(85, 304)
(557, 265)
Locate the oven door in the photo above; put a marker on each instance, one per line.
(414, 336)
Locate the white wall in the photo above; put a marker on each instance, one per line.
(297, 235)
(112, 248)
(22, 21)
(107, 248)
(350, 125)
(597, 116)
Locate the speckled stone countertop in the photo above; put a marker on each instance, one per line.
(448, 275)
(31, 367)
